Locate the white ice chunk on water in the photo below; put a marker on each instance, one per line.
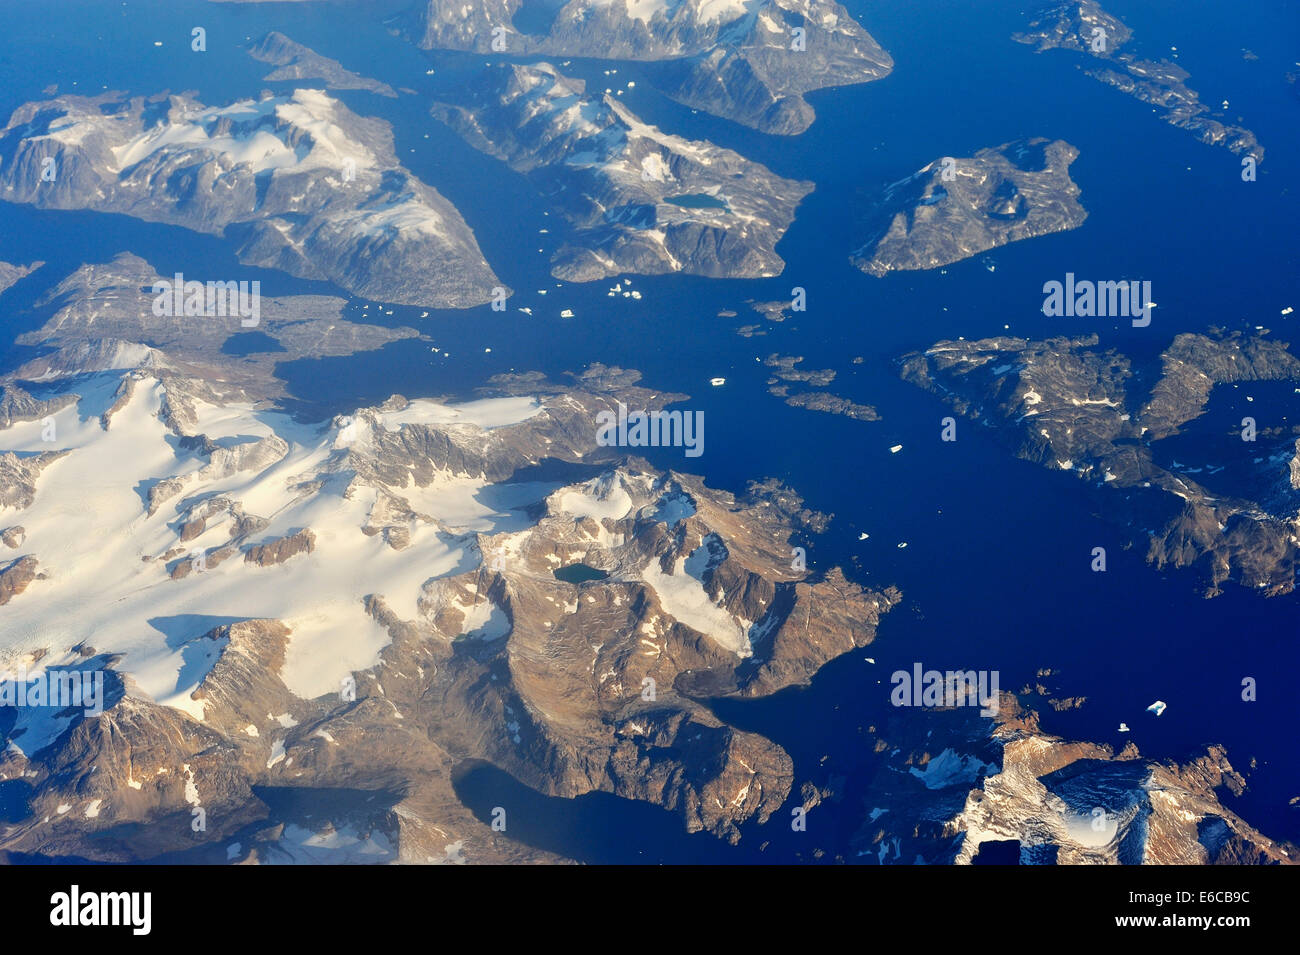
(717, 382)
(1157, 707)
(1123, 727)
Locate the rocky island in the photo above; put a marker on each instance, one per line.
(294, 62)
(1084, 27)
(751, 62)
(785, 372)
(1067, 404)
(955, 208)
(642, 201)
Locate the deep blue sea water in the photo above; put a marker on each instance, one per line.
(996, 574)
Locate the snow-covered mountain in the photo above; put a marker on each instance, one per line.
(361, 604)
(299, 181)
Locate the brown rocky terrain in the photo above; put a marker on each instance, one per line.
(571, 684)
(957, 785)
(1070, 405)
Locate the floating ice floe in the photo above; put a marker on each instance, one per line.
(717, 382)
(526, 311)
(863, 537)
(902, 544)
(567, 313)
(1123, 727)
(1157, 707)
(424, 314)
(895, 449)
(1288, 310)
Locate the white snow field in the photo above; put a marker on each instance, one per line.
(98, 547)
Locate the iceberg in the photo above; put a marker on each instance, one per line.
(1157, 707)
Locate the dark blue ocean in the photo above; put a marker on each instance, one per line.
(996, 575)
